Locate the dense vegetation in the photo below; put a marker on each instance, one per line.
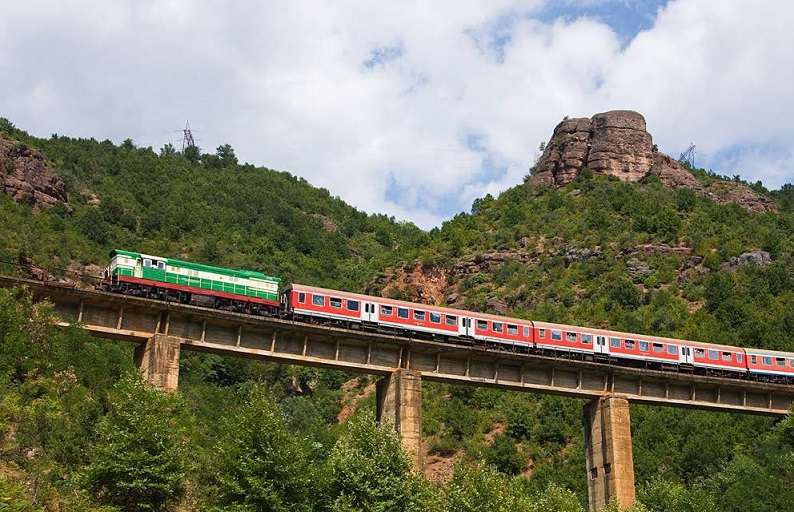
(79, 431)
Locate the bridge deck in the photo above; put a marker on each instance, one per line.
(135, 319)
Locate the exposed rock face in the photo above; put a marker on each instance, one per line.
(760, 258)
(27, 178)
(620, 146)
(613, 143)
(616, 143)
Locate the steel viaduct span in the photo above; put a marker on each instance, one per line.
(163, 330)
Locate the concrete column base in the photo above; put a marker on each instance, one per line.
(610, 465)
(158, 361)
(399, 402)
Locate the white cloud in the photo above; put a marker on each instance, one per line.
(456, 109)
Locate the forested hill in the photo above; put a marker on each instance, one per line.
(206, 208)
(79, 432)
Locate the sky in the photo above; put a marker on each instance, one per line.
(410, 108)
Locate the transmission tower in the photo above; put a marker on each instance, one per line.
(187, 137)
(688, 156)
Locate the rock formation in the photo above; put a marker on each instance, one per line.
(27, 178)
(616, 143)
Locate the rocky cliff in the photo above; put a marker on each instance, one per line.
(27, 178)
(617, 143)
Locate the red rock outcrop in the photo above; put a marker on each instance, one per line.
(27, 178)
(617, 143)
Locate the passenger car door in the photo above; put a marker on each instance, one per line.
(601, 346)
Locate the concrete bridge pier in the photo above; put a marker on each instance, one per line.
(610, 465)
(399, 402)
(158, 361)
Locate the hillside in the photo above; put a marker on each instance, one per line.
(207, 208)
(642, 255)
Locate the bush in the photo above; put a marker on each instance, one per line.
(260, 465)
(139, 461)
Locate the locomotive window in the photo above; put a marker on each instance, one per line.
(352, 305)
(780, 361)
(726, 356)
(301, 297)
(497, 326)
(587, 339)
(482, 324)
(435, 318)
(526, 333)
(161, 265)
(672, 350)
(452, 320)
(767, 360)
(386, 310)
(512, 330)
(629, 344)
(336, 302)
(614, 342)
(658, 347)
(699, 352)
(570, 337)
(542, 333)
(643, 346)
(556, 335)
(419, 315)
(402, 312)
(147, 263)
(714, 355)
(318, 300)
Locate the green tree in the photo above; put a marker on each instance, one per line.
(226, 155)
(258, 464)
(369, 472)
(139, 461)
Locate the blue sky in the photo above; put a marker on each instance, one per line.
(413, 108)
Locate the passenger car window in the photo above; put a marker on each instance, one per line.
(336, 302)
(482, 325)
(699, 352)
(713, 355)
(542, 333)
(587, 339)
(672, 350)
(402, 312)
(352, 305)
(658, 348)
(512, 330)
(629, 344)
(614, 342)
(386, 310)
(556, 335)
(435, 317)
(780, 361)
(419, 315)
(452, 320)
(526, 331)
(726, 356)
(570, 337)
(318, 300)
(753, 359)
(302, 297)
(643, 346)
(767, 360)
(497, 326)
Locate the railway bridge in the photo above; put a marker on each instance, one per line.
(162, 330)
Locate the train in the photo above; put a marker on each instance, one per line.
(256, 293)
